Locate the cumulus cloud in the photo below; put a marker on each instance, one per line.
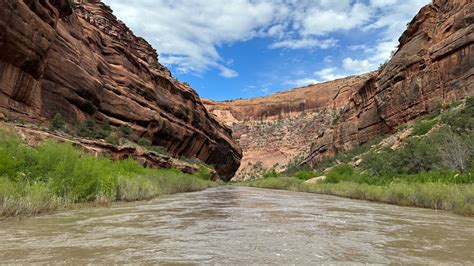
(357, 66)
(301, 82)
(304, 43)
(329, 73)
(188, 33)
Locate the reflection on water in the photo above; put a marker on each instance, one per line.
(239, 226)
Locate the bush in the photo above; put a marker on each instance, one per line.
(126, 130)
(341, 172)
(304, 175)
(296, 165)
(423, 126)
(461, 120)
(86, 129)
(57, 123)
(104, 131)
(203, 173)
(33, 180)
(144, 142)
(270, 173)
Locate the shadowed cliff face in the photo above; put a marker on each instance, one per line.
(433, 66)
(82, 62)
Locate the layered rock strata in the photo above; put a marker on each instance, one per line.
(79, 60)
(433, 66)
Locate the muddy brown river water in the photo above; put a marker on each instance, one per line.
(233, 225)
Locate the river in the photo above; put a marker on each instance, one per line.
(233, 225)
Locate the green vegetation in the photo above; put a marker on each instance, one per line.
(42, 179)
(347, 156)
(91, 130)
(126, 130)
(57, 123)
(423, 126)
(438, 196)
(281, 183)
(434, 170)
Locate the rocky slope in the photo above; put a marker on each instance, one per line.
(432, 68)
(77, 59)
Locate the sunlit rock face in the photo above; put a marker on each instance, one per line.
(432, 67)
(78, 59)
(275, 129)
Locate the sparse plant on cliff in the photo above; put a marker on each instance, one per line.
(57, 123)
(423, 126)
(86, 129)
(336, 115)
(126, 130)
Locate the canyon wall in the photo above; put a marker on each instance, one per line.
(79, 60)
(275, 129)
(433, 66)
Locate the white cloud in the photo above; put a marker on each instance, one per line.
(357, 66)
(329, 73)
(320, 21)
(228, 73)
(302, 82)
(304, 43)
(188, 33)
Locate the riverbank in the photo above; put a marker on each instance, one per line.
(35, 180)
(439, 196)
(428, 163)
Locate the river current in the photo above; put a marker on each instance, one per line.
(235, 225)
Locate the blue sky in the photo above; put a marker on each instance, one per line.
(229, 49)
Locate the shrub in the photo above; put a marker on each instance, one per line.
(417, 155)
(461, 120)
(57, 123)
(35, 180)
(341, 172)
(126, 130)
(456, 151)
(270, 173)
(86, 129)
(423, 126)
(203, 172)
(144, 142)
(113, 139)
(304, 175)
(379, 163)
(104, 131)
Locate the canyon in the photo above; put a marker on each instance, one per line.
(432, 67)
(77, 59)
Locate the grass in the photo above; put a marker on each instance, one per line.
(281, 183)
(54, 175)
(433, 195)
(440, 196)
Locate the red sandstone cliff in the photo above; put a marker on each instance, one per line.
(275, 129)
(80, 61)
(432, 67)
